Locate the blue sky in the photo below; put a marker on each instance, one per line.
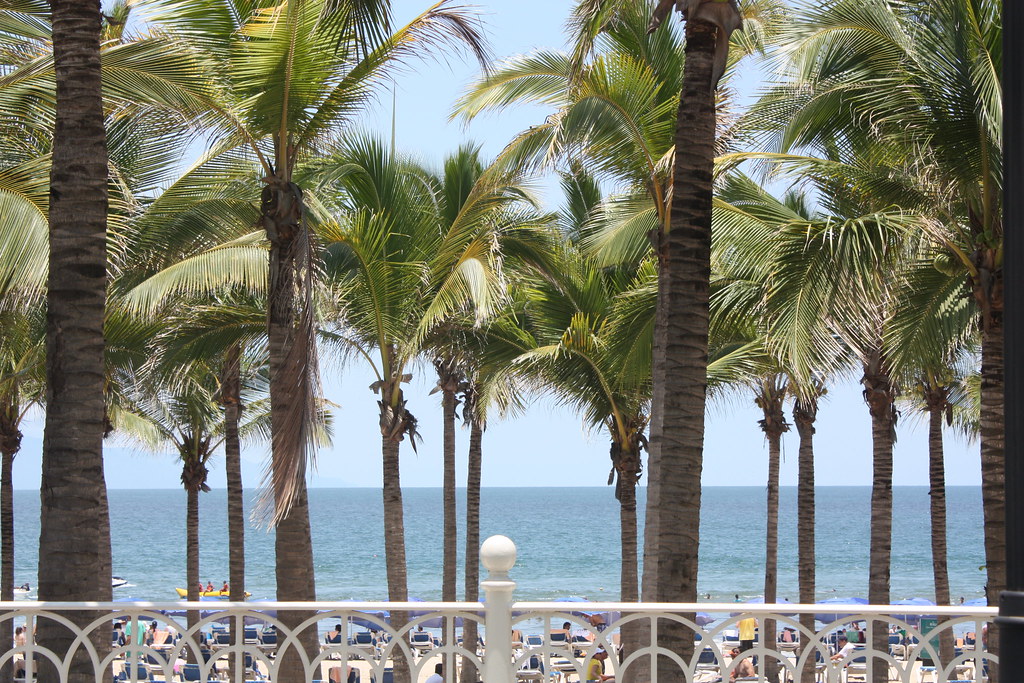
(548, 445)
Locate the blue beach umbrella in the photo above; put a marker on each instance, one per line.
(834, 603)
(976, 602)
(913, 602)
(433, 622)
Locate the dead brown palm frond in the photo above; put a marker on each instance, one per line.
(294, 445)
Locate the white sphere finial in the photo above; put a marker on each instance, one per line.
(498, 554)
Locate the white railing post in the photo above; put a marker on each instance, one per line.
(498, 554)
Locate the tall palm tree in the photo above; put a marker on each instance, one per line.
(770, 397)
(21, 386)
(397, 271)
(924, 79)
(293, 73)
(75, 566)
(934, 341)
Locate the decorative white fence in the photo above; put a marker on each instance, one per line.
(519, 641)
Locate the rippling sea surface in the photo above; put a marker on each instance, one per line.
(567, 541)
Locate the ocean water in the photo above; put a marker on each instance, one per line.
(567, 541)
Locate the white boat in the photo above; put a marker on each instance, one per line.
(23, 589)
(117, 582)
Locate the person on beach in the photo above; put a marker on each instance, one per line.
(209, 586)
(845, 648)
(334, 637)
(595, 670)
(743, 668)
(564, 630)
(747, 627)
(598, 622)
(438, 675)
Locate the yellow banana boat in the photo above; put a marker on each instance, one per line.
(183, 593)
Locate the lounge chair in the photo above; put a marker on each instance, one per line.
(142, 673)
(362, 642)
(421, 642)
(580, 645)
(708, 661)
(192, 672)
(387, 677)
(534, 641)
(531, 670)
(559, 640)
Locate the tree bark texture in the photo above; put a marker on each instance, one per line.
(192, 550)
(394, 546)
(470, 633)
(936, 398)
(451, 548)
(880, 395)
(993, 471)
(10, 444)
(680, 369)
(627, 461)
(230, 398)
(282, 220)
(71, 565)
(296, 583)
(805, 413)
(770, 400)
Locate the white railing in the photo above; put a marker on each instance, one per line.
(371, 646)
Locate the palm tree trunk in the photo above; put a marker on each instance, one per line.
(230, 390)
(394, 547)
(625, 491)
(192, 549)
(71, 566)
(937, 406)
(880, 395)
(771, 564)
(10, 444)
(993, 470)
(472, 584)
(296, 582)
(680, 369)
(770, 396)
(231, 399)
(627, 461)
(450, 523)
(805, 412)
(289, 369)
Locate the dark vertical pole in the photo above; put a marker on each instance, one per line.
(1011, 602)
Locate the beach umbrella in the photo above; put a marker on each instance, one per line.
(434, 621)
(913, 602)
(834, 603)
(760, 601)
(976, 602)
(703, 619)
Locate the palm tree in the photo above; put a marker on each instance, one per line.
(21, 387)
(182, 411)
(770, 396)
(75, 567)
(934, 340)
(397, 271)
(293, 73)
(923, 79)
